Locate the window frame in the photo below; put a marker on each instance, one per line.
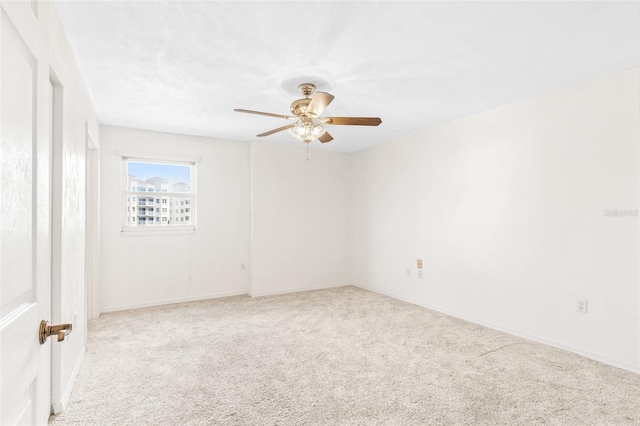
(156, 230)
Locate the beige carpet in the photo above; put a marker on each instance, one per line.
(342, 356)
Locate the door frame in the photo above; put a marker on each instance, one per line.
(57, 121)
(92, 226)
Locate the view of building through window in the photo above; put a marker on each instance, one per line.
(158, 194)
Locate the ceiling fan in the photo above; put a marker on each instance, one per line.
(307, 124)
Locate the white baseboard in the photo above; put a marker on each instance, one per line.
(295, 290)
(59, 406)
(214, 296)
(594, 356)
(171, 301)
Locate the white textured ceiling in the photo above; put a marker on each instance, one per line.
(183, 66)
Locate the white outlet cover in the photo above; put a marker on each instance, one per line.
(581, 305)
(419, 274)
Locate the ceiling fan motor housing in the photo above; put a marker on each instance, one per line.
(299, 106)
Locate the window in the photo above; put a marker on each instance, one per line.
(175, 179)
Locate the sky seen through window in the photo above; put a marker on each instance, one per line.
(174, 173)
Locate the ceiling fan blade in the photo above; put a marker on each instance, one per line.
(352, 121)
(268, 114)
(318, 103)
(279, 129)
(326, 137)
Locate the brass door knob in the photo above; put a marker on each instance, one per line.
(46, 330)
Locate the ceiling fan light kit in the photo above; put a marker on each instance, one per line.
(306, 113)
(306, 130)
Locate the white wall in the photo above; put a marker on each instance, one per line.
(148, 270)
(68, 280)
(507, 210)
(260, 204)
(300, 215)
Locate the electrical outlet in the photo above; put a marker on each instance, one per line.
(419, 274)
(419, 262)
(581, 305)
(409, 273)
(243, 267)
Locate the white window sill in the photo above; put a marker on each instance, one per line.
(153, 231)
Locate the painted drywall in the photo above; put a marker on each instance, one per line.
(148, 270)
(300, 218)
(509, 210)
(68, 242)
(260, 204)
(450, 58)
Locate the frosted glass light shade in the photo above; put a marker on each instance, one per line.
(307, 132)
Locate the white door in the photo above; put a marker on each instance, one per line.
(25, 247)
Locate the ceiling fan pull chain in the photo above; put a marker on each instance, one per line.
(307, 151)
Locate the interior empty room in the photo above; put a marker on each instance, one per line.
(320, 213)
